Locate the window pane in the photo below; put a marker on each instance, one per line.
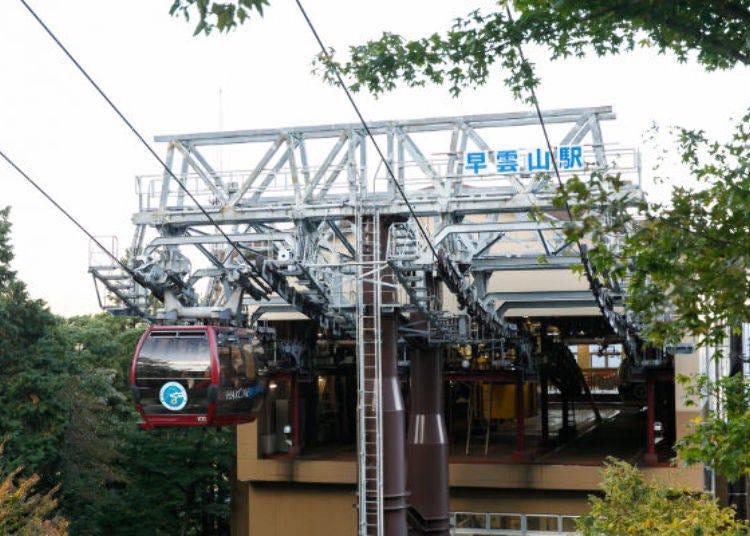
(541, 523)
(598, 361)
(166, 354)
(505, 521)
(569, 524)
(471, 521)
(239, 392)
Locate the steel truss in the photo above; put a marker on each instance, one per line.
(292, 209)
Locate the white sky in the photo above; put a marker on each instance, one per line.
(166, 81)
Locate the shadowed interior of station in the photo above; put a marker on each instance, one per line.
(621, 434)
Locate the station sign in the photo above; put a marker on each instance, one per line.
(568, 157)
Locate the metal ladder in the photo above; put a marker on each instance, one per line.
(369, 376)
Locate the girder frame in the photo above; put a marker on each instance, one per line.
(469, 217)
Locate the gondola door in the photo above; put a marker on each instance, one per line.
(242, 381)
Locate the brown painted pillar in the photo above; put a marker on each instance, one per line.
(392, 406)
(394, 471)
(427, 443)
(650, 458)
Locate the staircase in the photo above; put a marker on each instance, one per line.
(403, 256)
(116, 291)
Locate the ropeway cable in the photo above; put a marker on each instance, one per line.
(68, 215)
(539, 115)
(256, 277)
(391, 175)
(448, 265)
(543, 124)
(593, 281)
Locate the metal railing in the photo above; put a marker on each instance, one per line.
(280, 183)
(491, 523)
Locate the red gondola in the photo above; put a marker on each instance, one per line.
(197, 376)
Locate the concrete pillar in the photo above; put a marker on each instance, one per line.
(427, 443)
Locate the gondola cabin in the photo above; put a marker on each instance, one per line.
(197, 376)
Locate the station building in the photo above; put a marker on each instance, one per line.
(308, 486)
(422, 305)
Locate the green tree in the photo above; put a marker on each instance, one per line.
(632, 507)
(32, 373)
(25, 513)
(177, 479)
(93, 465)
(687, 259)
(719, 438)
(220, 15)
(30, 415)
(463, 55)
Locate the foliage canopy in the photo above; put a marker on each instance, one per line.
(463, 55)
(719, 438)
(632, 507)
(687, 260)
(222, 16)
(67, 420)
(25, 513)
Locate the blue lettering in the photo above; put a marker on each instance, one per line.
(570, 157)
(538, 164)
(476, 161)
(507, 161)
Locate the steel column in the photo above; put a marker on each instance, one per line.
(394, 472)
(394, 455)
(427, 443)
(567, 431)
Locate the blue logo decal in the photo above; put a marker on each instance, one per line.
(173, 396)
